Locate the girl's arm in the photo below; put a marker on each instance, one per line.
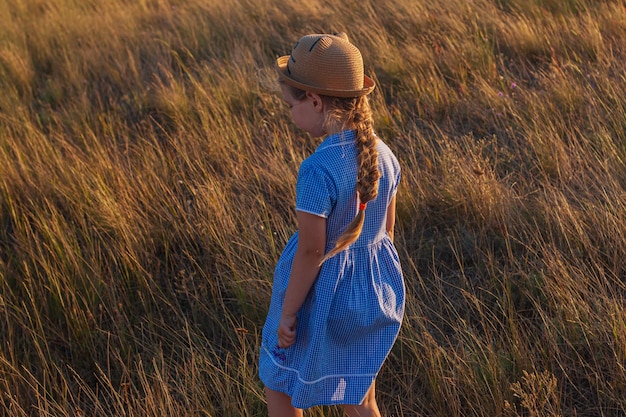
(391, 217)
(310, 251)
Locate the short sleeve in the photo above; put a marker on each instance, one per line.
(315, 190)
(397, 183)
(390, 167)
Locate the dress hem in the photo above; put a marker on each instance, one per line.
(297, 373)
(319, 402)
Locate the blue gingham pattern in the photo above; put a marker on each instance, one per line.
(352, 315)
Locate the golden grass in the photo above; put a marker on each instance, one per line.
(147, 169)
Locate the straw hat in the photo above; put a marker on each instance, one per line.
(325, 64)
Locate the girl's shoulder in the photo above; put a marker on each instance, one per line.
(331, 155)
(316, 164)
(385, 154)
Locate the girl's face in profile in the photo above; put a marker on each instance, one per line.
(307, 113)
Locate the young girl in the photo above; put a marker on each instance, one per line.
(338, 294)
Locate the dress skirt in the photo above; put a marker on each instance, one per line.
(345, 328)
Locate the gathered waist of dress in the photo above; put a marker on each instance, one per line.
(359, 244)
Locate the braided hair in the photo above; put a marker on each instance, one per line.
(356, 113)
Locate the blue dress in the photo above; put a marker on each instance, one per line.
(352, 314)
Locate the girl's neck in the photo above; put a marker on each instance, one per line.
(337, 127)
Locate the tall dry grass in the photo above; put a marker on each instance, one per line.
(146, 185)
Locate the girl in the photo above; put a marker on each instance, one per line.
(338, 293)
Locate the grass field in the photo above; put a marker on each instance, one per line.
(147, 172)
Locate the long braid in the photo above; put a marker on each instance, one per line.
(360, 117)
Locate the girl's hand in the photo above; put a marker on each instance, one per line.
(287, 331)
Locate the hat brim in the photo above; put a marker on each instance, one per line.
(281, 68)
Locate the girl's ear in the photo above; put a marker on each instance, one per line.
(316, 100)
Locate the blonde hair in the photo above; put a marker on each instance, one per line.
(356, 113)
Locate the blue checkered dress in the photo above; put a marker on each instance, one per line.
(352, 314)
